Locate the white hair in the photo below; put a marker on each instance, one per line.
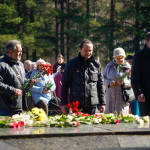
(40, 61)
(33, 63)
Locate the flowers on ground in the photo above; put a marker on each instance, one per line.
(37, 117)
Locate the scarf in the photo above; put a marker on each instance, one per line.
(117, 66)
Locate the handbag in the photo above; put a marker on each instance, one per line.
(54, 102)
(128, 94)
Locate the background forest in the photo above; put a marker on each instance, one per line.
(49, 27)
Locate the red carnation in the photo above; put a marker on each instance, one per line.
(68, 106)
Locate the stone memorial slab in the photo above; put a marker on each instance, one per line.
(126, 128)
(51, 131)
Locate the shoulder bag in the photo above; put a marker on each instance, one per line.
(128, 94)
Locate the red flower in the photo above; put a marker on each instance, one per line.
(79, 113)
(76, 104)
(68, 106)
(99, 116)
(95, 115)
(21, 123)
(18, 125)
(77, 123)
(83, 114)
(72, 104)
(48, 69)
(13, 125)
(117, 121)
(75, 109)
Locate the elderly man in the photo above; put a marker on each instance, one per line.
(84, 78)
(12, 77)
(27, 64)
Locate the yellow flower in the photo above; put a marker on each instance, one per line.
(36, 112)
(41, 111)
(42, 117)
(146, 118)
(35, 108)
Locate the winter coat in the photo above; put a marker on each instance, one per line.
(9, 82)
(114, 97)
(37, 89)
(85, 81)
(141, 73)
(56, 65)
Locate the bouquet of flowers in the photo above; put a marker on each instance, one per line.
(73, 107)
(47, 69)
(48, 85)
(125, 74)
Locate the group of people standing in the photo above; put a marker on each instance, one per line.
(81, 79)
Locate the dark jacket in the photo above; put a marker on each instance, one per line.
(56, 65)
(9, 82)
(140, 77)
(85, 80)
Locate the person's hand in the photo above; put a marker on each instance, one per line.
(32, 83)
(18, 92)
(119, 82)
(45, 90)
(112, 83)
(141, 98)
(63, 109)
(102, 108)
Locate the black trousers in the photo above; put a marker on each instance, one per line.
(144, 108)
(90, 110)
(42, 104)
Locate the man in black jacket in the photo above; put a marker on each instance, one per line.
(84, 78)
(140, 77)
(12, 77)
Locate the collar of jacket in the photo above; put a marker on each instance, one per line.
(91, 59)
(147, 49)
(10, 60)
(125, 65)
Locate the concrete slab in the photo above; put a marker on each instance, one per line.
(51, 131)
(5, 146)
(126, 141)
(67, 143)
(126, 128)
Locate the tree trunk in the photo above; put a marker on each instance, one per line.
(87, 16)
(56, 33)
(34, 57)
(137, 24)
(111, 44)
(68, 38)
(18, 9)
(62, 28)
